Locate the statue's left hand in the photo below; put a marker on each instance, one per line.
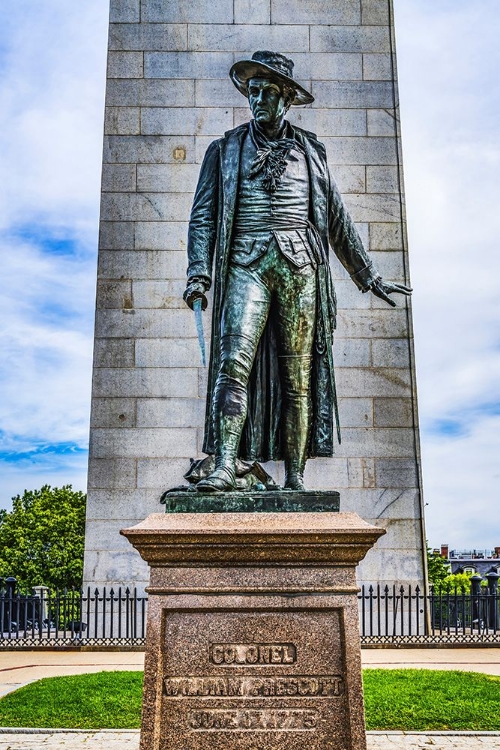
(382, 289)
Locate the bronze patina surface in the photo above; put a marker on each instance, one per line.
(272, 501)
(265, 213)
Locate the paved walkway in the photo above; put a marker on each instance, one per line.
(129, 740)
(486, 660)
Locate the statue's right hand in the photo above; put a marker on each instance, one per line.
(195, 290)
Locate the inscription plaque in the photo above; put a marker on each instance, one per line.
(274, 673)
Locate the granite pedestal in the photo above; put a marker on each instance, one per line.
(253, 639)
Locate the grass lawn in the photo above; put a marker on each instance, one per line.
(406, 699)
(104, 700)
(421, 699)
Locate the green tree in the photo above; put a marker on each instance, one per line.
(42, 538)
(459, 581)
(438, 568)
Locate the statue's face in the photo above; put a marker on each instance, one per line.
(267, 100)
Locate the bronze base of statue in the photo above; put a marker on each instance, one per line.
(271, 501)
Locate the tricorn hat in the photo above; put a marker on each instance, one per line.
(266, 64)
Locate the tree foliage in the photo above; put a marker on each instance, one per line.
(42, 538)
(441, 577)
(438, 568)
(459, 582)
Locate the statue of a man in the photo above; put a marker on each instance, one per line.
(264, 215)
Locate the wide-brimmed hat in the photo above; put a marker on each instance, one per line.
(266, 64)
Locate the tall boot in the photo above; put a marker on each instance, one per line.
(294, 468)
(297, 419)
(294, 475)
(229, 397)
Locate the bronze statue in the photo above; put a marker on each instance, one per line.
(264, 215)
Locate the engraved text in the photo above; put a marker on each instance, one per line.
(264, 719)
(321, 686)
(253, 653)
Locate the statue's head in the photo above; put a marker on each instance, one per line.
(269, 100)
(267, 81)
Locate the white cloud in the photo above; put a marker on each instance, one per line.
(46, 343)
(51, 107)
(462, 486)
(51, 110)
(33, 473)
(52, 63)
(448, 61)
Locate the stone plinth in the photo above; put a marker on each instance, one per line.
(253, 637)
(271, 501)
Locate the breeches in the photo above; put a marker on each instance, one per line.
(270, 285)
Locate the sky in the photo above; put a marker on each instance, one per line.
(52, 79)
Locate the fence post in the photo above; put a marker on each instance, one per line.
(475, 594)
(417, 608)
(429, 611)
(10, 592)
(40, 592)
(492, 578)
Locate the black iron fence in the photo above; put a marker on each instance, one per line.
(106, 617)
(394, 615)
(406, 616)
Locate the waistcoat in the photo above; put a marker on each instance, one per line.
(261, 215)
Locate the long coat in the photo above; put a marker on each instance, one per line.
(209, 246)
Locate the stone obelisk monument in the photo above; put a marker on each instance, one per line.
(168, 96)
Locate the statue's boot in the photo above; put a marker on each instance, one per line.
(297, 418)
(230, 418)
(223, 477)
(294, 475)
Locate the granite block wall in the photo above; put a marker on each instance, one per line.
(168, 96)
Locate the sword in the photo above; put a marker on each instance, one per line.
(199, 328)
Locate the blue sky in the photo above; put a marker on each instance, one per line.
(52, 77)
